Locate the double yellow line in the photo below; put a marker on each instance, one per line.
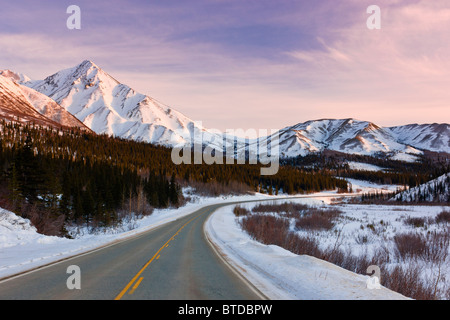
(156, 256)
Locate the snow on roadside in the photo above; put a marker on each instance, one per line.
(282, 275)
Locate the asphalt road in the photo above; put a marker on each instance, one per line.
(172, 262)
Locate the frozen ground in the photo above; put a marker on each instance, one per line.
(280, 274)
(360, 186)
(360, 230)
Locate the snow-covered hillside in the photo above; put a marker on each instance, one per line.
(18, 102)
(437, 190)
(433, 137)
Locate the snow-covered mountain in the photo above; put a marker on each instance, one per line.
(433, 137)
(109, 107)
(20, 103)
(360, 137)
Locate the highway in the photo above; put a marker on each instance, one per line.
(172, 262)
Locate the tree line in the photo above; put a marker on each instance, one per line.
(410, 174)
(55, 176)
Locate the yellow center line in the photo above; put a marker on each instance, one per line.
(157, 254)
(136, 285)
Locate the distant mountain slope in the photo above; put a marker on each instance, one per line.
(437, 190)
(433, 137)
(348, 136)
(20, 103)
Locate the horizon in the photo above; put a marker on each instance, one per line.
(250, 65)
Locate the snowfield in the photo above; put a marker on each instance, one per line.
(364, 166)
(276, 272)
(361, 230)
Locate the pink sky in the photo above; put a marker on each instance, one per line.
(245, 64)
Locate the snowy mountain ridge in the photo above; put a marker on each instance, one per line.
(110, 107)
(363, 138)
(107, 106)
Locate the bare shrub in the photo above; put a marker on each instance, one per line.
(407, 280)
(266, 229)
(317, 219)
(240, 211)
(415, 222)
(409, 245)
(443, 217)
(275, 230)
(302, 245)
(354, 263)
(314, 222)
(328, 213)
(136, 206)
(45, 221)
(437, 247)
(363, 238)
(289, 209)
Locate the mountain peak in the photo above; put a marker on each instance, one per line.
(109, 107)
(88, 64)
(18, 77)
(91, 73)
(84, 68)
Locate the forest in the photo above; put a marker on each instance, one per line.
(58, 176)
(407, 174)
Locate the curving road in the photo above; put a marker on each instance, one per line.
(172, 262)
